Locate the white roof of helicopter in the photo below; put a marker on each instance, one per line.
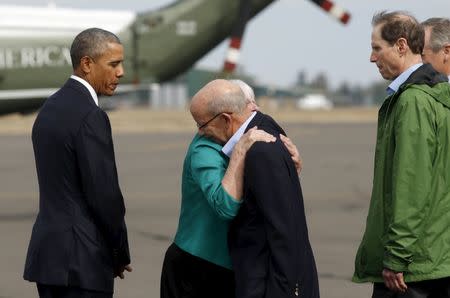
(50, 21)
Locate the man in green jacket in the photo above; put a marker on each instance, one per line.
(405, 250)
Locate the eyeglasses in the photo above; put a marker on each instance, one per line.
(209, 121)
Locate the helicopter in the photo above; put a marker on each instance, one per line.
(159, 45)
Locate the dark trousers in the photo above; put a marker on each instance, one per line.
(46, 291)
(187, 276)
(436, 288)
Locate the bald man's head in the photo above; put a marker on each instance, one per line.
(216, 97)
(218, 109)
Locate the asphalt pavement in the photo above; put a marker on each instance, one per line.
(336, 181)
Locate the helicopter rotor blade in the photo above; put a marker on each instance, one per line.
(334, 10)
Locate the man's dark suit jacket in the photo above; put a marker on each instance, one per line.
(79, 236)
(269, 244)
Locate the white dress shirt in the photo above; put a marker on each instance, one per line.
(393, 87)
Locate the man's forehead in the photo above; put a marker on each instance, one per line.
(376, 30)
(198, 105)
(113, 47)
(376, 37)
(114, 55)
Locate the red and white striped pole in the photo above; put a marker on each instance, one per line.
(336, 11)
(232, 56)
(237, 33)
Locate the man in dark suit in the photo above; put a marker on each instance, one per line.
(79, 241)
(268, 240)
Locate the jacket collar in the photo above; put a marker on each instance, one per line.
(266, 123)
(74, 84)
(425, 74)
(393, 87)
(87, 86)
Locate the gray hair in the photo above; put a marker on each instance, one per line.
(232, 101)
(246, 89)
(91, 42)
(400, 24)
(440, 32)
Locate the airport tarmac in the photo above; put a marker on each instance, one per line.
(337, 148)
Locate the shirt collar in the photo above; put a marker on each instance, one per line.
(229, 146)
(88, 86)
(393, 87)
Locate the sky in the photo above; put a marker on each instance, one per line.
(294, 35)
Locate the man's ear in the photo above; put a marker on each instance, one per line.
(446, 50)
(86, 64)
(402, 46)
(228, 120)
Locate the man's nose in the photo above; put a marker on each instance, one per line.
(373, 58)
(120, 71)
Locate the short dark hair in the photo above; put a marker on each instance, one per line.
(91, 42)
(440, 32)
(400, 24)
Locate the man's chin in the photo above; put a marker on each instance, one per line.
(386, 77)
(107, 93)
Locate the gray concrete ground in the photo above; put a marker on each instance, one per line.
(336, 180)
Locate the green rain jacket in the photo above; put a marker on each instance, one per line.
(408, 225)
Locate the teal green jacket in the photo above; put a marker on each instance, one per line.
(408, 225)
(206, 208)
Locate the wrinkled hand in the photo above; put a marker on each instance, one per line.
(251, 136)
(295, 155)
(394, 281)
(120, 272)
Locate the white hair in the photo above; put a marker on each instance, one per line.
(246, 89)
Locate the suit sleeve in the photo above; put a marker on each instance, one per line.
(268, 178)
(415, 145)
(95, 153)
